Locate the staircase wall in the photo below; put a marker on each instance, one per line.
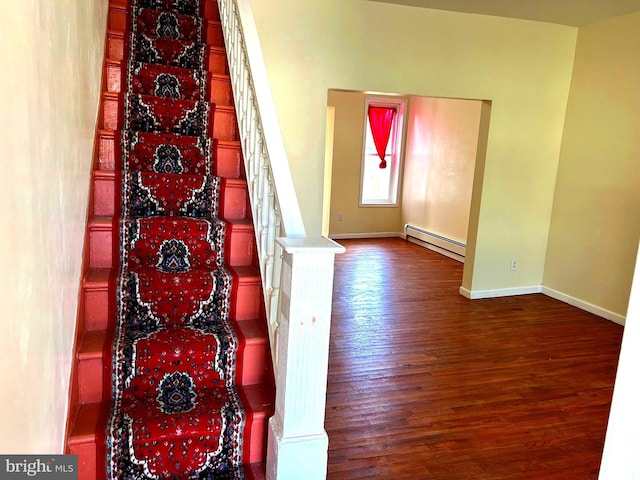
(52, 61)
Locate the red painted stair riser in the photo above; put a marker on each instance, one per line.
(219, 91)
(233, 202)
(255, 449)
(224, 119)
(246, 302)
(252, 364)
(228, 155)
(240, 247)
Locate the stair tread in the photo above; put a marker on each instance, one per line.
(92, 345)
(235, 182)
(112, 95)
(188, 27)
(98, 276)
(106, 174)
(253, 330)
(119, 96)
(234, 223)
(241, 223)
(258, 397)
(207, 21)
(101, 220)
(229, 143)
(105, 132)
(246, 273)
(167, 68)
(180, 41)
(220, 76)
(188, 84)
(84, 427)
(170, 10)
(167, 46)
(255, 471)
(164, 99)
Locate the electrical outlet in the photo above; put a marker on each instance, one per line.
(514, 265)
(340, 217)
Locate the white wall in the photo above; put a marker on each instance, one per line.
(51, 55)
(621, 456)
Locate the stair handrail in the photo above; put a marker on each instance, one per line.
(274, 204)
(296, 271)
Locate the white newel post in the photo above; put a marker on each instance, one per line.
(297, 445)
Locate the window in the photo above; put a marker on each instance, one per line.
(379, 186)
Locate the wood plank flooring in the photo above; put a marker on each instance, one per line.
(425, 384)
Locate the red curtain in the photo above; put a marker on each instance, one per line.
(380, 121)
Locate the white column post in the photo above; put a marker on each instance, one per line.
(298, 442)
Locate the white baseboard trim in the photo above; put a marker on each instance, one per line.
(499, 292)
(586, 306)
(436, 249)
(348, 236)
(550, 292)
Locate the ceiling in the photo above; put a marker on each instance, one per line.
(574, 13)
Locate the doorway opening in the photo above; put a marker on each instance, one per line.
(440, 172)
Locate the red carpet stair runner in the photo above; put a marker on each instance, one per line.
(176, 402)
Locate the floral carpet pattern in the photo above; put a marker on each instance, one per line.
(176, 413)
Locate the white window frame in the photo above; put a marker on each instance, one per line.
(395, 146)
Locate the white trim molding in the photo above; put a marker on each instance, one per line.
(443, 242)
(434, 248)
(549, 292)
(499, 292)
(581, 304)
(348, 236)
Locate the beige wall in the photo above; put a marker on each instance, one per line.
(595, 225)
(440, 158)
(51, 54)
(523, 67)
(346, 172)
(476, 193)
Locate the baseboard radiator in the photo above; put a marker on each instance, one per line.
(433, 241)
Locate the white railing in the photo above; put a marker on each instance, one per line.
(267, 169)
(296, 271)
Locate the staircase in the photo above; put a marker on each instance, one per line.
(91, 390)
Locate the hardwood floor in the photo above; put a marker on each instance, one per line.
(425, 384)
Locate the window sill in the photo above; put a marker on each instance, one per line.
(380, 204)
